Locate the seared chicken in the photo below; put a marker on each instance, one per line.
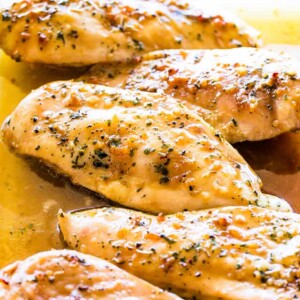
(143, 150)
(248, 94)
(84, 32)
(240, 253)
(66, 274)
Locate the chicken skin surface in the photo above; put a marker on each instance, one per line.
(142, 150)
(67, 274)
(236, 253)
(84, 32)
(248, 94)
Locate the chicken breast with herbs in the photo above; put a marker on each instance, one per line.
(66, 274)
(240, 253)
(248, 94)
(142, 150)
(82, 32)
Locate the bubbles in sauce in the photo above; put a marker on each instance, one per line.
(30, 200)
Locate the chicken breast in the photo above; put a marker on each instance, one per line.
(246, 93)
(240, 253)
(83, 32)
(66, 274)
(142, 150)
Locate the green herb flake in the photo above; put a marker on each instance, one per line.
(60, 36)
(167, 239)
(149, 150)
(6, 16)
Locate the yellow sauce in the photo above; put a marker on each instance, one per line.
(277, 20)
(29, 203)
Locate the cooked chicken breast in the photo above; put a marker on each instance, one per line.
(240, 253)
(246, 93)
(83, 32)
(143, 150)
(66, 274)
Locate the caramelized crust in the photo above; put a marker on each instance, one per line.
(142, 150)
(82, 32)
(248, 94)
(240, 253)
(66, 274)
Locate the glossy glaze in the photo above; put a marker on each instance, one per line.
(240, 253)
(142, 150)
(65, 274)
(80, 32)
(24, 193)
(248, 94)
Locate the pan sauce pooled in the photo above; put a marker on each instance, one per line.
(56, 48)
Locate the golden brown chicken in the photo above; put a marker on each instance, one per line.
(240, 253)
(142, 150)
(246, 93)
(83, 32)
(66, 274)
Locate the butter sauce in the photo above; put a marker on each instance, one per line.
(30, 202)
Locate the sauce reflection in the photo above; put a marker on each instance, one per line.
(30, 200)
